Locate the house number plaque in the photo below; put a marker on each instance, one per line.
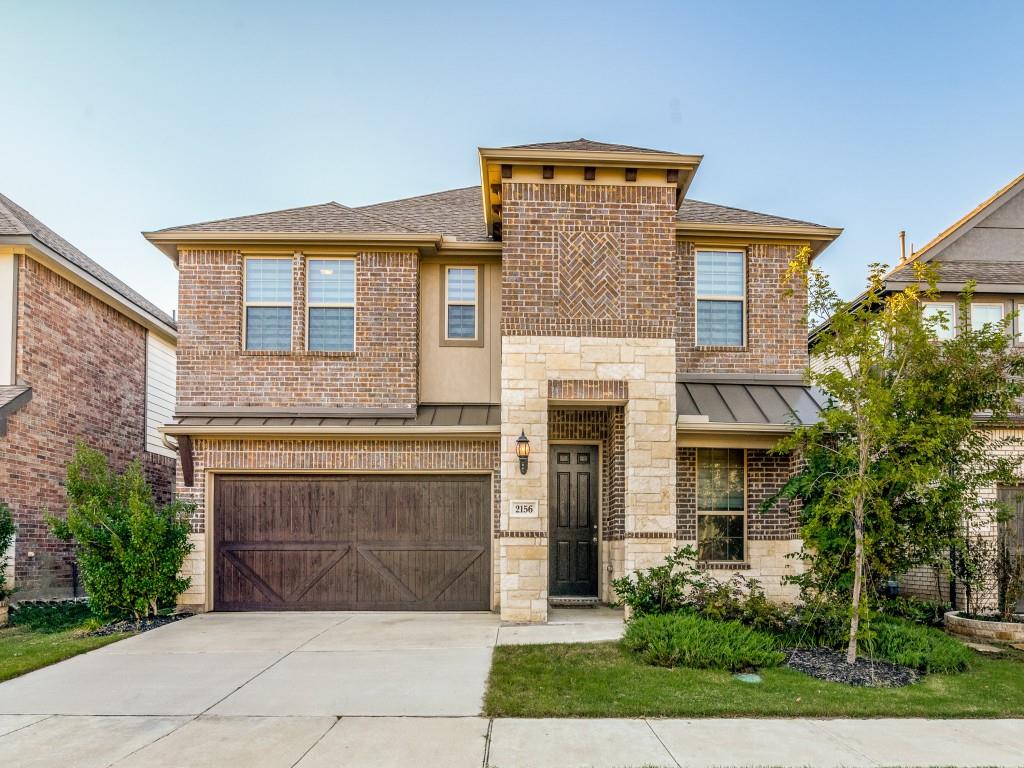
(523, 509)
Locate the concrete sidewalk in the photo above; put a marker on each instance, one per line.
(472, 742)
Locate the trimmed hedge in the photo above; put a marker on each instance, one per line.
(687, 640)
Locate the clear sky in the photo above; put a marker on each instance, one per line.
(876, 117)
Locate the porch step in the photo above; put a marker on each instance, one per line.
(573, 602)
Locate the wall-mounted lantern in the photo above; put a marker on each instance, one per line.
(523, 451)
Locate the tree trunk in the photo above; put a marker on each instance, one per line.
(858, 577)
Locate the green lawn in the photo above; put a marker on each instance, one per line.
(602, 680)
(22, 650)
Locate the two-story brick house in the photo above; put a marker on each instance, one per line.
(85, 357)
(356, 387)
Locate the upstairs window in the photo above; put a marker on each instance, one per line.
(331, 305)
(721, 504)
(721, 296)
(268, 304)
(461, 303)
(986, 314)
(942, 318)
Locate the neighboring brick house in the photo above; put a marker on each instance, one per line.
(355, 384)
(987, 246)
(82, 357)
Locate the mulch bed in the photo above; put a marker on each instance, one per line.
(827, 664)
(143, 625)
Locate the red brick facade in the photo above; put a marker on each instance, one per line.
(338, 455)
(588, 260)
(86, 364)
(214, 370)
(766, 474)
(776, 329)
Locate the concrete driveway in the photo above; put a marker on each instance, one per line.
(268, 689)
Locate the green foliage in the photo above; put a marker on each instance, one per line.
(912, 645)
(7, 530)
(687, 640)
(914, 609)
(48, 617)
(821, 623)
(130, 550)
(679, 584)
(895, 468)
(661, 589)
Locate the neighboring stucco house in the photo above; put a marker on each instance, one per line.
(82, 357)
(987, 246)
(355, 386)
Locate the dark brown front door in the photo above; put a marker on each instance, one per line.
(351, 542)
(1013, 529)
(573, 505)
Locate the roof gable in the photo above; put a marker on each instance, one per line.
(1002, 211)
(16, 221)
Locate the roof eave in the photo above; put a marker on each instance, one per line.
(687, 164)
(169, 241)
(91, 284)
(585, 158)
(818, 237)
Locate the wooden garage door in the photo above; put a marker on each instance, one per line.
(351, 542)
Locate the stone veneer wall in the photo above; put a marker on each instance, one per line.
(215, 371)
(326, 455)
(771, 534)
(776, 328)
(86, 364)
(649, 433)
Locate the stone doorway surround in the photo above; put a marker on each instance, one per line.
(541, 372)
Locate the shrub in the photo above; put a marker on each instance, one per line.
(47, 616)
(914, 609)
(913, 645)
(130, 550)
(661, 589)
(688, 640)
(818, 623)
(7, 530)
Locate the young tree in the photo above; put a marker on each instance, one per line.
(130, 549)
(893, 470)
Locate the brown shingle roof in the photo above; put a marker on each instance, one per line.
(15, 220)
(455, 213)
(326, 217)
(697, 212)
(986, 272)
(586, 145)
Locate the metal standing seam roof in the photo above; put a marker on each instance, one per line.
(732, 402)
(473, 415)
